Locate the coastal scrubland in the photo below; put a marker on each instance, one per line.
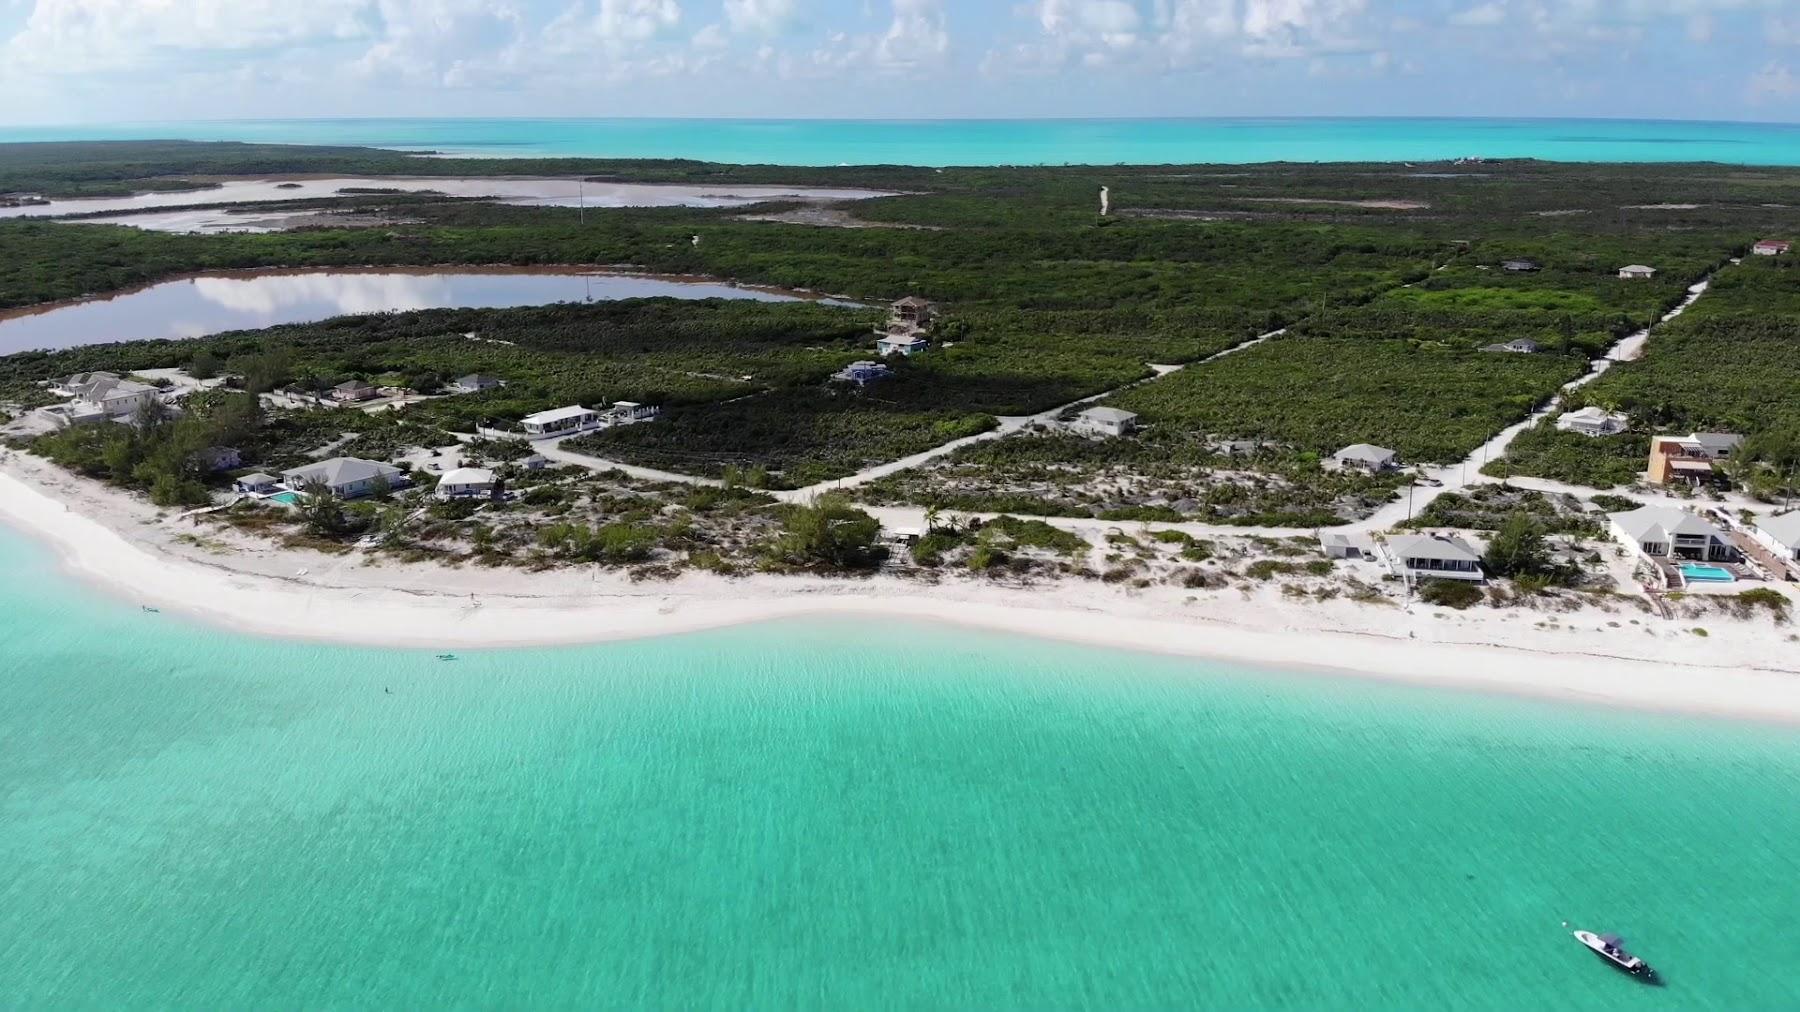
(1390, 281)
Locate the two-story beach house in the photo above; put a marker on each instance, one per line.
(905, 331)
(1416, 557)
(1665, 533)
(1593, 421)
(346, 477)
(108, 395)
(1690, 459)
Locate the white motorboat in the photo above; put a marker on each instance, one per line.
(1612, 949)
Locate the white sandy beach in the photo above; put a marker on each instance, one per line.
(122, 545)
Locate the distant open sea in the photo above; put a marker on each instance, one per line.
(1006, 142)
(845, 815)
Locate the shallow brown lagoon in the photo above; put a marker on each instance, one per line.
(550, 192)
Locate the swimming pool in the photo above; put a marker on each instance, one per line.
(1694, 572)
(286, 498)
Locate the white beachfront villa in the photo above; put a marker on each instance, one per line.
(346, 477)
(1418, 557)
(1664, 532)
(631, 411)
(99, 397)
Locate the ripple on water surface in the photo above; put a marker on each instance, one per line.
(838, 814)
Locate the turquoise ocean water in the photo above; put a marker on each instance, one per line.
(1005, 142)
(826, 815)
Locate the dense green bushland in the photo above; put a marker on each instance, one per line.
(1430, 404)
(1047, 303)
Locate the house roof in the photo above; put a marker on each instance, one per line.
(340, 471)
(100, 386)
(1717, 443)
(258, 478)
(477, 379)
(1365, 452)
(1661, 523)
(1117, 416)
(912, 301)
(354, 385)
(1594, 416)
(1637, 269)
(1425, 546)
(468, 476)
(1783, 243)
(556, 415)
(1784, 528)
(898, 340)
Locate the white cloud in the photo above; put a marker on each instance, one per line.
(761, 17)
(1166, 34)
(1775, 81)
(1482, 16)
(917, 38)
(98, 36)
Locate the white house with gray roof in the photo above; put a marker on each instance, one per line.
(109, 394)
(1593, 421)
(1366, 457)
(1433, 557)
(1664, 532)
(1781, 534)
(346, 477)
(1106, 422)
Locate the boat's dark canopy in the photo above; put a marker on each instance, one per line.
(1613, 940)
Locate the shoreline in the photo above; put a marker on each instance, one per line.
(121, 546)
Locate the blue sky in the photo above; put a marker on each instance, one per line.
(126, 60)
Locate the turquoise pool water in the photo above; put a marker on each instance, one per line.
(286, 498)
(1699, 573)
(847, 815)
